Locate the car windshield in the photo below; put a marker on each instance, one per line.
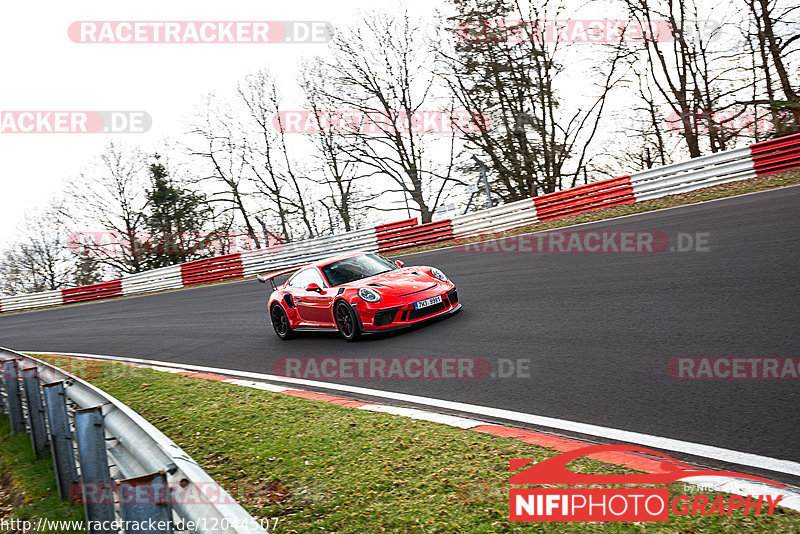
(355, 268)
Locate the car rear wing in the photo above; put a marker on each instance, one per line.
(270, 277)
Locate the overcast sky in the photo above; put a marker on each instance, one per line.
(43, 70)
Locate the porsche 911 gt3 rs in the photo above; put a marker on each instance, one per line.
(357, 293)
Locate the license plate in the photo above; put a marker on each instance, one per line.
(428, 302)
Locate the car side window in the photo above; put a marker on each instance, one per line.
(298, 279)
(314, 278)
(304, 278)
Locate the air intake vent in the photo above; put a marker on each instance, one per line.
(287, 298)
(452, 296)
(384, 317)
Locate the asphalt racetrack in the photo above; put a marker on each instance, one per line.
(598, 329)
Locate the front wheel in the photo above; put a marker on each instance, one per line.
(347, 322)
(280, 322)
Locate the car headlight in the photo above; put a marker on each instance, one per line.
(370, 295)
(439, 275)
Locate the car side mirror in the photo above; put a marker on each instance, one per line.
(314, 287)
(399, 263)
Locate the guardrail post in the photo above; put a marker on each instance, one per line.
(60, 438)
(143, 501)
(97, 491)
(33, 396)
(14, 397)
(3, 395)
(2, 388)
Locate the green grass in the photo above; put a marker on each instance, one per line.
(27, 484)
(318, 467)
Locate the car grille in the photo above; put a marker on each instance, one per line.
(416, 314)
(384, 317)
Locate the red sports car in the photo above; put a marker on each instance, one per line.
(358, 293)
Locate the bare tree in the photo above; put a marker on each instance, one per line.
(773, 41)
(696, 73)
(110, 196)
(381, 70)
(338, 170)
(224, 152)
(504, 66)
(39, 260)
(258, 151)
(267, 154)
(653, 149)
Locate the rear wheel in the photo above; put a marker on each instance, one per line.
(347, 322)
(280, 322)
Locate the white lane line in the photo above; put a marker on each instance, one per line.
(162, 369)
(695, 449)
(411, 413)
(256, 385)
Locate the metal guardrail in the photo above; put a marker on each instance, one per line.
(589, 197)
(503, 217)
(125, 471)
(101, 290)
(737, 164)
(697, 173)
(414, 235)
(301, 252)
(32, 300)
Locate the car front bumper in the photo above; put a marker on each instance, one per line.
(387, 319)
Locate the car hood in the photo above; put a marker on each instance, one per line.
(404, 279)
